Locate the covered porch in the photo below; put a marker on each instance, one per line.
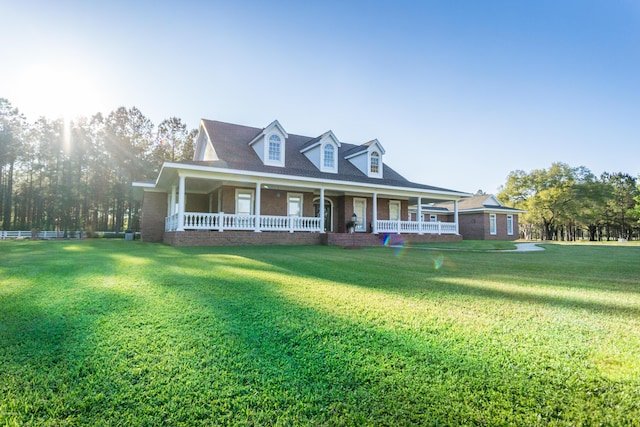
(250, 206)
(188, 200)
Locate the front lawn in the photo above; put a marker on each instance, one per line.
(128, 333)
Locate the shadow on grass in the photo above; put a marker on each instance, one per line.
(527, 278)
(204, 342)
(293, 362)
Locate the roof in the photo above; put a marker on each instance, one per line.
(485, 202)
(231, 143)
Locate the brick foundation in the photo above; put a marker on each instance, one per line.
(241, 238)
(250, 238)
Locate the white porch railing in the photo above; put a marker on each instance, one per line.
(415, 227)
(222, 221)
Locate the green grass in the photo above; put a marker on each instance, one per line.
(471, 245)
(128, 333)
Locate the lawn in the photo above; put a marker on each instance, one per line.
(129, 333)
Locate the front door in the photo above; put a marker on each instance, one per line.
(328, 214)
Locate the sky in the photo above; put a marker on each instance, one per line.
(459, 93)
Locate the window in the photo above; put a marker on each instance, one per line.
(394, 210)
(374, 165)
(244, 202)
(329, 156)
(274, 148)
(492, 224)
(360, 209)
(510, 225)
(294, 204)
(433, 218)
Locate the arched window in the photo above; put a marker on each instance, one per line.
(329, 156)
(375, 163)
(274, 148)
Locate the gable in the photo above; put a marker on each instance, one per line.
(204, 148)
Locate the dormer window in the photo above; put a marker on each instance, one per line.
(323, 152)
(374, 163)
(270, 144)
(329, 156)
(367, 158)
(275, 145)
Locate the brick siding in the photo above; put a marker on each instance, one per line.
(154, 211)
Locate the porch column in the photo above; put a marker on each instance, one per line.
(181, 201)
(257, 208)
(322, 210)
(375, 214)
(455, 215)
(419, 215)
(172, 209)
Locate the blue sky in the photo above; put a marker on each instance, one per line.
(460, 93)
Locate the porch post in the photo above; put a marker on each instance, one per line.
(322, 209)
(419, 215)
(181, 200)
(455, 215)
(375, 214)
(257, 208)
(173, 200)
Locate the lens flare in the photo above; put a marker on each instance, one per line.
(438, 262)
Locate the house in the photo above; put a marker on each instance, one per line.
(249, 185)
(481, 217)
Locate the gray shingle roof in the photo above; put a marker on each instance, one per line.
(231, 145)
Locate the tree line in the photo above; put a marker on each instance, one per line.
(571, 203)
(77, 175)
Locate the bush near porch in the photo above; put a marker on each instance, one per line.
(115, 332)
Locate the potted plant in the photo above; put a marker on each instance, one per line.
(351, 226)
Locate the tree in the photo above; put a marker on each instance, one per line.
(12, 127)
(174, 142)
(546, 194)
(128, 142)
(621, 203)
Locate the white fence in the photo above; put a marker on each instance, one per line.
(40, 234)
(20, 234)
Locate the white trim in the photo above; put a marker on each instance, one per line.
(510, 225)
(233, 174)
(252, 193)
(299, 195)
(323, 167)
(327, 200)
(493, 224)
(267, 150)
(397, 203)
(362, 220)
(370, 173)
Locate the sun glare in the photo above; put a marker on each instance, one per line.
(60, 91)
